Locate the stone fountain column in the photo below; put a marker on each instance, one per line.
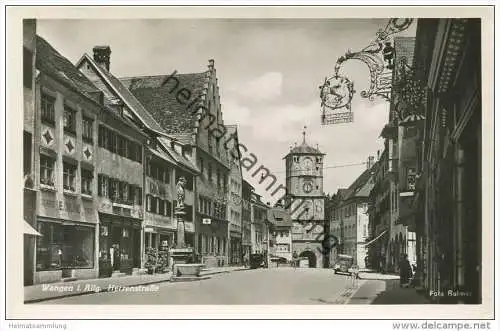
(183, 269)
(180, 216)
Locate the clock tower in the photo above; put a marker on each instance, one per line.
(306, 201)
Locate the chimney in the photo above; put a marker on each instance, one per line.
(211, 64)
(371, 162)
(102, 56)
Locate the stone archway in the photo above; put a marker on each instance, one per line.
(311, 257)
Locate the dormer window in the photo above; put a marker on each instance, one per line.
(186, 151)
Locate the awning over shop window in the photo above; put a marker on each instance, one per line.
(29, 230)
(375, 239)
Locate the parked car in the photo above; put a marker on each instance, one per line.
(257, 260)
(343, 264)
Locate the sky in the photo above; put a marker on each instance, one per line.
(269, 72)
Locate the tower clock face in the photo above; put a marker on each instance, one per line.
(308, 164)
(307, 187)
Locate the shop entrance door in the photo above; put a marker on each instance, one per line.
(137, 248)
(115, 240)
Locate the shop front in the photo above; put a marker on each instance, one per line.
(212, 241)
(64, 249)
(119, 245)
(235, 248)
(67, 246)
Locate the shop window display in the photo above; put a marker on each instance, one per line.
(64, 247)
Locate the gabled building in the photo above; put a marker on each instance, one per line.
(448, 196)
(68, 111)
(145, 210)
(234, 205)
(336, 228)
(402, 154)
(187, 108)
(280, 233)
(29, 126)
(350, 217)
(246, 220)
(259, 234)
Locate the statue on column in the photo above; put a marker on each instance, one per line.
(181, 195)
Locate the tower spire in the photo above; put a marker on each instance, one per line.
(304, 135)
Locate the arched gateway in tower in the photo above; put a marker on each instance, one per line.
(306, 201)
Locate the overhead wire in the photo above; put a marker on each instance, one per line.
(333, 166)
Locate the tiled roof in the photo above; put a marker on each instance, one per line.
(157, 96)
(162, 155)
(362, 186)
(179, 158)
(128, 97)
(343, 192)
(279, 217)
(304, 148)
(51, 62)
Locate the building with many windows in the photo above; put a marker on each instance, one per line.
(234, 204)
(349, 217)
(448, 196)
(258, 228)
(336, 228)
(29, 128)
(65, 147)
(187, 108)
(280, 233)
(246, 220)
(161, 162)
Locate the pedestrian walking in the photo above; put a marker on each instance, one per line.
(353, 276)
(295, 260)
(405, 271)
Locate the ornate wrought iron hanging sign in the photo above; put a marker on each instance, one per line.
(337, 91)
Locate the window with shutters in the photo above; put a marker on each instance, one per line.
(138, 196)
(161, 207)
(102, 185)
(48, 109)
(87, 129)
(209, 172)
(47, 164)
(125, 193)
(69, 176)
(87, 179)
(69, 120)
(121, 146)
(113, 189)
(110, 141)
(168, 208)
(101, 139)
